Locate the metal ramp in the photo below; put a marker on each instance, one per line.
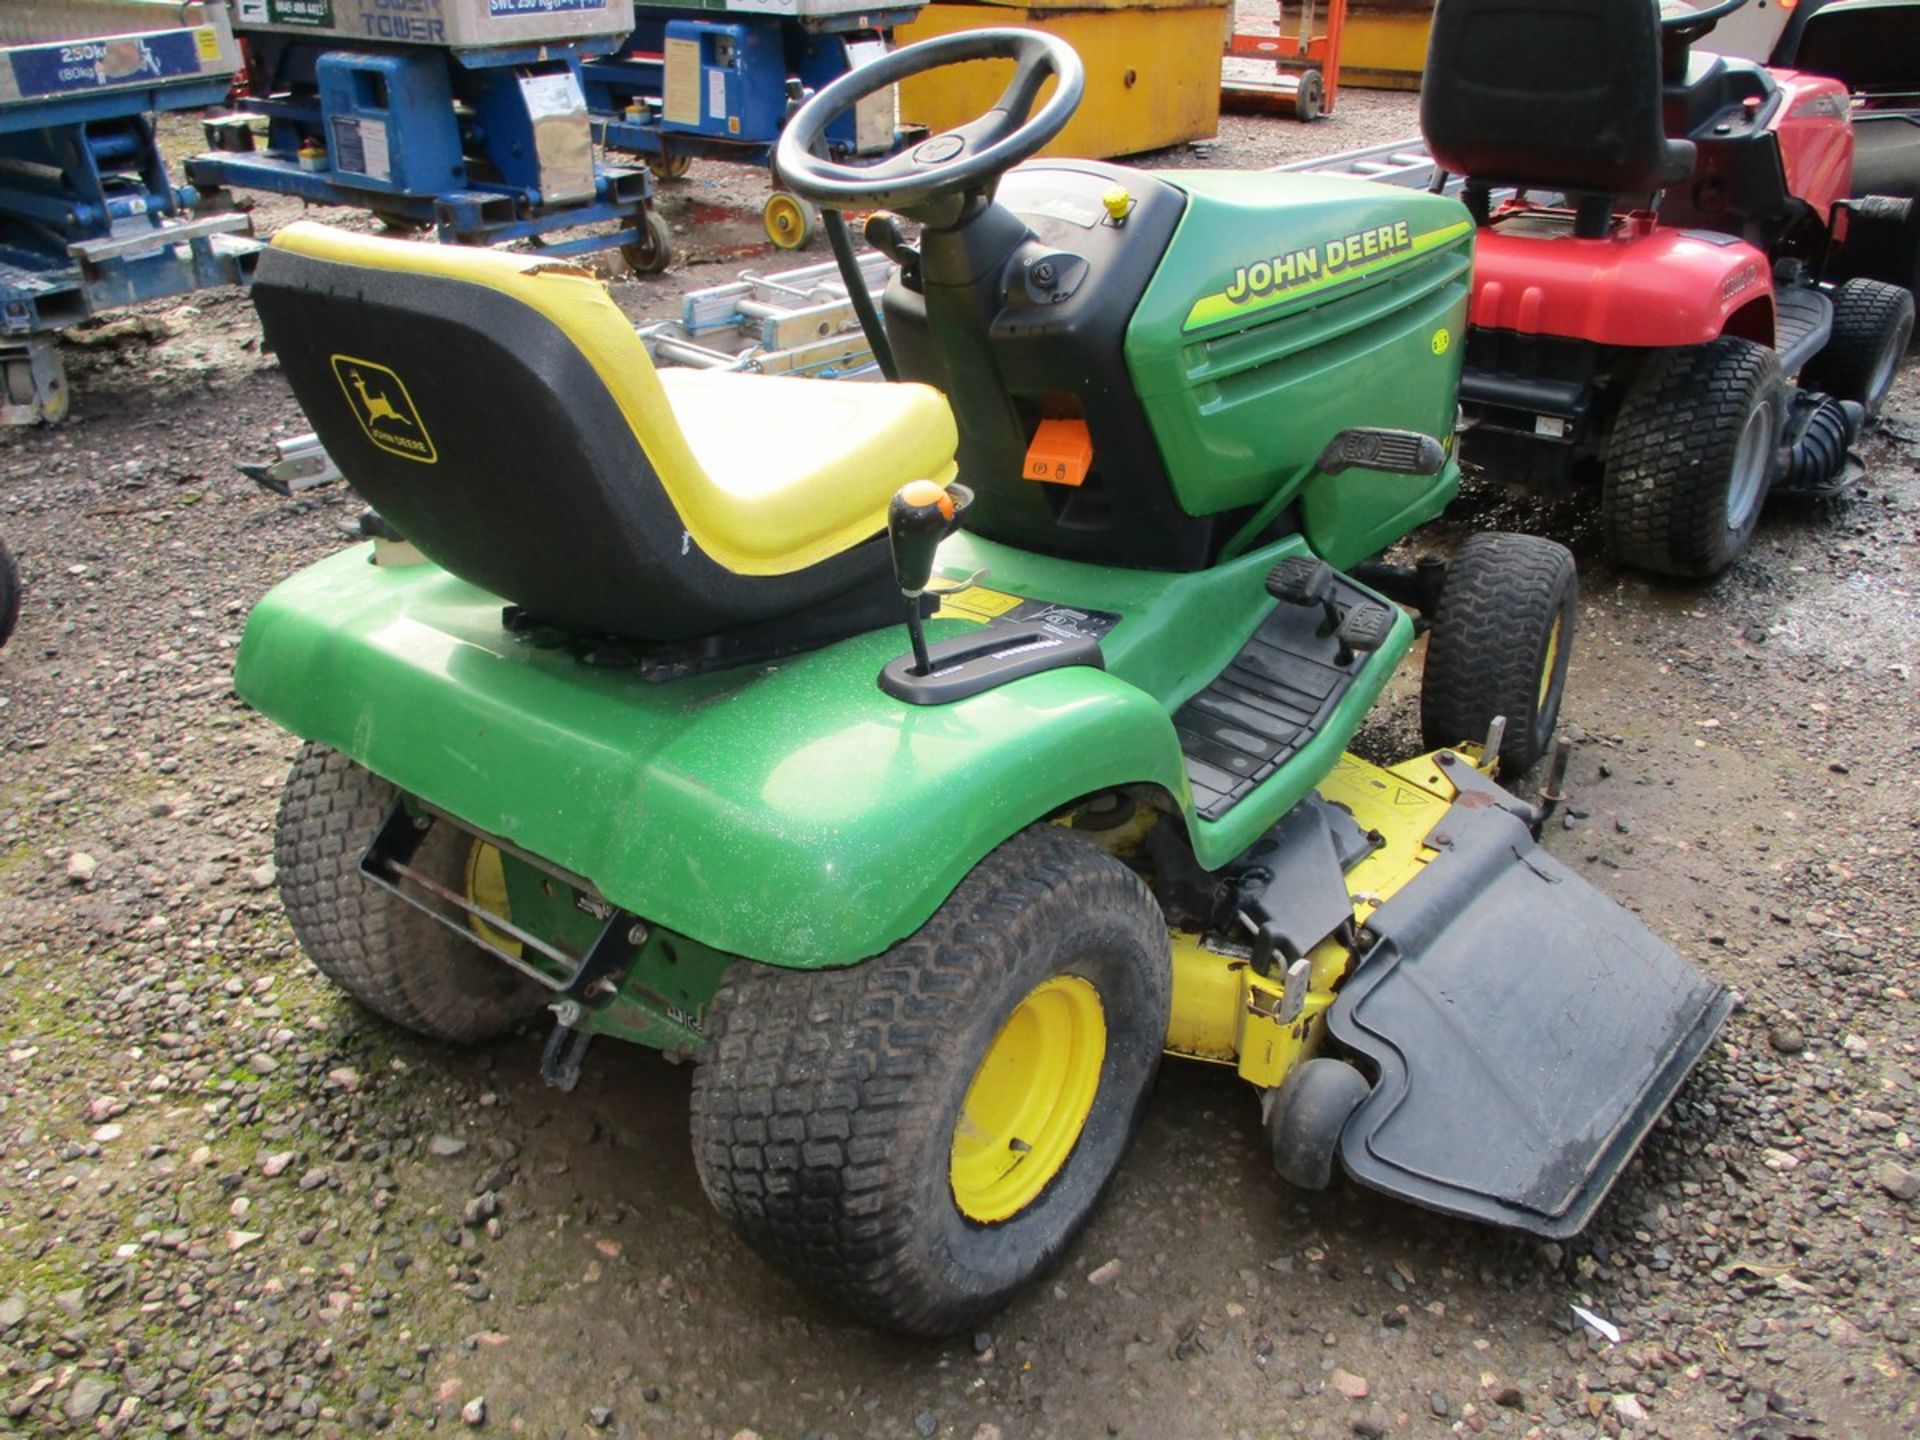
(1406, 163)
(1399, 162)
(795, 322)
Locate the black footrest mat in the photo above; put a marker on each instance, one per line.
(1269, 701)
(1803, 321)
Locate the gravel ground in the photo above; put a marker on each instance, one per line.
(233, 1204)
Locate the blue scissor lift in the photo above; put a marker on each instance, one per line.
(89, 218)
(718, 80)
(463, 116)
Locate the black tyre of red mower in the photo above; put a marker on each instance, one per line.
(1506, 618)
(9, 593)
(825, 1107)
(1671, 459)
(402, 965)
(1872, 327)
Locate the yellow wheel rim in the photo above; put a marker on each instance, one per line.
(787, 222)
(487, 888)
(1029, 1100)
(1547, 669)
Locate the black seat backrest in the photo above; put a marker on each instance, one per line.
(479, 428)
(1550, 93)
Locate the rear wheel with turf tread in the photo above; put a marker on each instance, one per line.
(842, 1118)
(1692, 454)
(1872, 327)
(1501, 639)
(399, 963)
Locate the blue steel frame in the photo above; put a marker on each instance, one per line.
(94, 172)
(480, 212)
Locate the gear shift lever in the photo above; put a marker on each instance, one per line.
(921, 515)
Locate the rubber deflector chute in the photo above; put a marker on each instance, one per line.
(1527, 1032)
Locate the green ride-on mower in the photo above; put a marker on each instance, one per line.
(616, 717)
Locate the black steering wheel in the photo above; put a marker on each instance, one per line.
(1689, 24)
(951, 164)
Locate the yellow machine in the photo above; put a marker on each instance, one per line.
(1386, 44)
(1153, 69)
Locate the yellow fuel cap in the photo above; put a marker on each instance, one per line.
(1118, 200)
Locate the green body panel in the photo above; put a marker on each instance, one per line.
(791, 813)
(1287, 308)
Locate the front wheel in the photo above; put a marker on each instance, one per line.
(1691, 457)
(1502, 636)
(919, 1135)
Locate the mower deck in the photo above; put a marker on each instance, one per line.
(1526, 1031)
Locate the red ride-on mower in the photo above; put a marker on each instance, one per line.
(1654, 227)
(1873, 48)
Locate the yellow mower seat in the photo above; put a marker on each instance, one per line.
(500, 412)
(832, 453)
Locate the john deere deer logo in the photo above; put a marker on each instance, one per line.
(386, 412)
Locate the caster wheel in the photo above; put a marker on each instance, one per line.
(1314, 1104)
(655, 253)
(791, 222)
(1310, 101)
